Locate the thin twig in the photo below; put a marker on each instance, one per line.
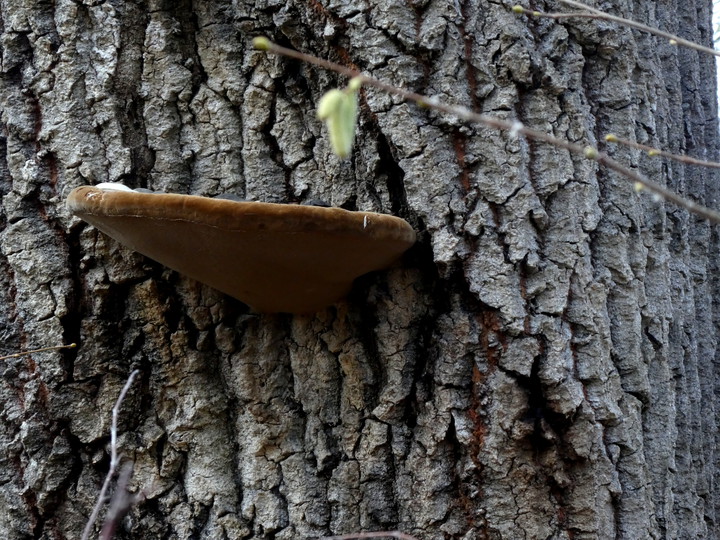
(378, 534)
(114, 459)
(513, 127)
(44, 349)
(560, 15)
(652, 152)
(120, 503)
(599, 14)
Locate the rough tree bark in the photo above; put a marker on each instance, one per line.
(541, 365)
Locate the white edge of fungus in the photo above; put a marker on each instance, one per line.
(113, 186)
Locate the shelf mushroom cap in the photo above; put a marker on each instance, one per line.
(274, 257)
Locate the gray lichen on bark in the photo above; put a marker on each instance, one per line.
(542, 364)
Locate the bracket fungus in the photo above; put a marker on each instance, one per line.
(274, 257)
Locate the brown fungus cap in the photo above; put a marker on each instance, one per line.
(274, 257)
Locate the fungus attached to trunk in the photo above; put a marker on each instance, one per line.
(274, 257)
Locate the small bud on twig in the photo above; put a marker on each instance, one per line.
(261, 43)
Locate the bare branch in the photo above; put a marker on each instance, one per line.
(652, 152)
(44, 349)
(120, 503)
(673, 39)
(114, 459)
(514, 127)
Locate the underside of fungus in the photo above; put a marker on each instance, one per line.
(274, 257)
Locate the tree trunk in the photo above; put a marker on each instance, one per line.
(540, 365)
